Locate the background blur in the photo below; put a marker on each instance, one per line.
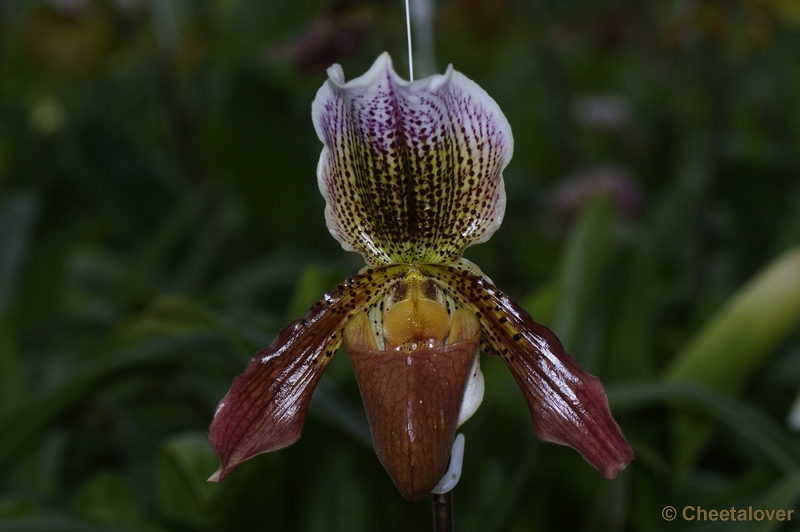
(160, 222)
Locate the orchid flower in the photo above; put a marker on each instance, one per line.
(411, 173)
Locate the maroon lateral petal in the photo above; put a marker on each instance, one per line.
(266, 406)
(567, 405)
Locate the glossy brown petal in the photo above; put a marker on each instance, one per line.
(567, 405)
(412, 399)
(266, 406)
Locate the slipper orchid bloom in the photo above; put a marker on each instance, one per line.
(411, 173)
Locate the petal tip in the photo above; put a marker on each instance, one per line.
(381, 66)
(624, 457)
(336, 74)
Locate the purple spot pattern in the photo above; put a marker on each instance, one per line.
(412, 173)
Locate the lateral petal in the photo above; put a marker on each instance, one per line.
(410, 171)
(567, 405)
(266, 405)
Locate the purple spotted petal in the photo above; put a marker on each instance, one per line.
(567, 405)
(410, 171)
(265, 408)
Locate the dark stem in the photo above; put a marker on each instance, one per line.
(443, 512)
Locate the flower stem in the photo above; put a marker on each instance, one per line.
(443, 512)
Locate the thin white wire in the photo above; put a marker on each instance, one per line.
(410, 57)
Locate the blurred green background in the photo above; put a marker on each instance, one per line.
(160, 222)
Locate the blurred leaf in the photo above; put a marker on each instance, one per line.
(166, 24)
(610, 509)
(171, 233)
(500, 483)
(96, 286)
(761, 431)
(586, 259)
(629, 355)
(70, 44)
(736, 341)
(182, 469)
(275, 271)
(329, 404)
(16, 507)
(107, 499)
(789, 235)
(312, 284)
(14, 381)
(54, 524)
(785, 494)
(17, 215)
(542, 303)
(208, 244)
(337, 494)
(178, 314)
(22, 423)
(787, 10)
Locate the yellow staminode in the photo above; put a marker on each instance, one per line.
(417, 320)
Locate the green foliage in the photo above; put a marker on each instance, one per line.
(160, 221)
(737, 339)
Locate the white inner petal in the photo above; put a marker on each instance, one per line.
(473, 394)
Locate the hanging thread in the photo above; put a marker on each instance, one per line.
(410, 57)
